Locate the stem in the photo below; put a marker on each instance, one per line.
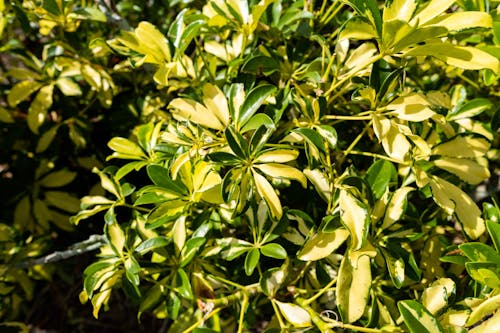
(202, 320)
(339, 117)
(351, 75)
(278, 315)
(94, 242)
(244, 306)
(354, 143)
(365, 153)
(323, 326)
(320, 292)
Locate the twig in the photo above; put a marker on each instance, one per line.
(92, 243)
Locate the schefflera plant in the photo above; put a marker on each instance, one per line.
(302, 187)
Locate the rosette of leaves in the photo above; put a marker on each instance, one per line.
(219, 236)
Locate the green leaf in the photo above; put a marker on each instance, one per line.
(159, 175)
(192, 247)
(251, 261)
(256, 121)
(132, 269)
(379, 175)
(470, 109)
(487, 273)
(465, 57)
(5, 116)
(259, 65)
(182, 284)
(494, 231)
(188, 33)
(63, 200)
(253, 101)
(358, 28)
(311, 136)
(89, 13)
(395, 266)
(476, 251)
(273, 250)
(417, 318)
(151, 244)
(46, 139)
(58, 178)
(151, 299)
(370, 10)
(236, 142)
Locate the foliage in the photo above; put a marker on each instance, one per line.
(284, 166)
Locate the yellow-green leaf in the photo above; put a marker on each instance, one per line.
(355, 216)
(320, 182)
(179, 234)
(266, 191)
(467, 170)
(185, 109)
(395, 144)
(278, 156)
(216, 102)
(487, 307)
(63, 200)
(277, 170)
(68, 87)
(466, 57)
(431, 10)
(435, 297)
(21, 91)
(39, 107)
(294, 314)
(399, 10)
(126, 147)
(453, 199)
(462, 20)
(58, 178)
(116, 237)
(5, 116)
(322, 244)
(489, 326)
(413, 107)
(396, 206)
(353, 287)
(462, 146)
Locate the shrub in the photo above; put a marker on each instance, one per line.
(292, 165)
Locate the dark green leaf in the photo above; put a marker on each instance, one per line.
(237, 143)
(251, 261)
(487, 273)
(182, 284)
(253, 101)
(379, 176)
(274, 250)
(312, 137)
(151, 244)
(260, 64)
(161, 177)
